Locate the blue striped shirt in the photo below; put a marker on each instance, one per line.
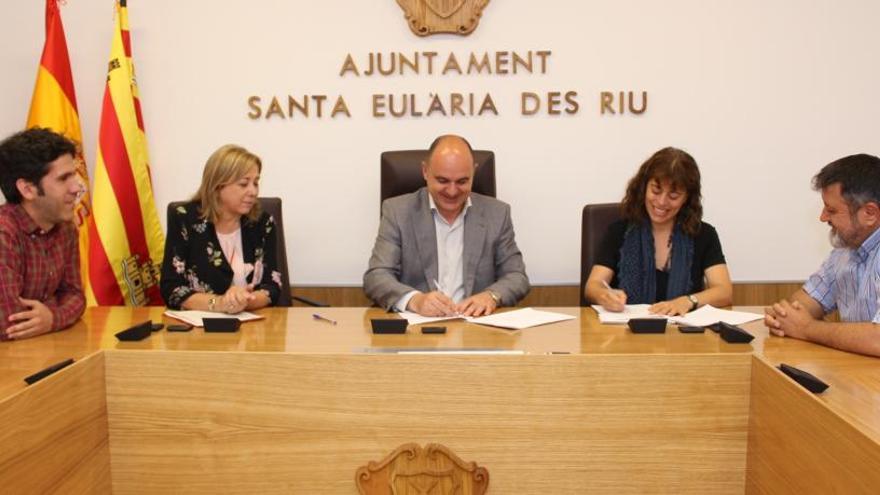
(849, 281)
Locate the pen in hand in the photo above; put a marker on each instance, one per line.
(323, 318)
(618, 298)
(439, 288)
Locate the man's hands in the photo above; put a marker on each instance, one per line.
(437, 303)
(36, 320)
(788, 319)
(433, 303)
(477, 305)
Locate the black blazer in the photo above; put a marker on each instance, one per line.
(194, 261)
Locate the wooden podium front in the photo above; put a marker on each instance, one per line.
(294, 405)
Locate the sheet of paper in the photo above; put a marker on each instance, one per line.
(521, 318)
(629, 311)
(708, 315)
(194, 318)
(417, 319)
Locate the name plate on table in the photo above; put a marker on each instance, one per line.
(221, 324)
(388, 325)
(137, 332)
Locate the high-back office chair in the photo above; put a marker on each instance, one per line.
(401, 172)
(595, 220)
(273, 207)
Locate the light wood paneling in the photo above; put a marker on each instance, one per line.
(763, 294)
(190, 422)
(346, 297)
(798, 445)
(744, 294)
(54, 434)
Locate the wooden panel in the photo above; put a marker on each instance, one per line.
(744, 294)
(54, 434)
(552, 295)
(188, 422)
(762, 294)
(798, 445)
(346, 297)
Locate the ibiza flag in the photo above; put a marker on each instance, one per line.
(126, 240)
(54, 106)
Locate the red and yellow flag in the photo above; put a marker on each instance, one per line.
(54, 106)
(126, 239)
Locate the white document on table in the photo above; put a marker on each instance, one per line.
(194, 318)
(521, 318)
(629, 311)
(707, 315)
(417, 319)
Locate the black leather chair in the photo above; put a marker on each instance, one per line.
(273, 207)
(401, 172)
(595, 220)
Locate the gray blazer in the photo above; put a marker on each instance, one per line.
(405, 254)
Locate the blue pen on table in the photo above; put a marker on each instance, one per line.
(323, 318)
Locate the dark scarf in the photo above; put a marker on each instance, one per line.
(636, 270)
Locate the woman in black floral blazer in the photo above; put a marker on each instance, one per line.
(220, 248)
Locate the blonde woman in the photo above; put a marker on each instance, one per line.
(220, 248)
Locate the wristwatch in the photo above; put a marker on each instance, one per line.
(694, 302)
(211, 302)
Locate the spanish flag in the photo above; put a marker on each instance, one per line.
(54, 106)
(126, 240)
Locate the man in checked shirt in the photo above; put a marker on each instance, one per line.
(40, 286)
(849, 280)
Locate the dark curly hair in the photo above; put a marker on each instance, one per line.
(679, 168)
(27, 155)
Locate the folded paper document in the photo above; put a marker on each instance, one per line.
(706, 315)
(516, 319)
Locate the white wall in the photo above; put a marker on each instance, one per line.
(762, 93)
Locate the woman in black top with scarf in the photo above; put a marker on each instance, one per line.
(661, 252)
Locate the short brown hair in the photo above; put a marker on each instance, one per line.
(27, 155)
(225, 166)
(679, 168)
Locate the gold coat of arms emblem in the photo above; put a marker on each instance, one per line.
(426, 17)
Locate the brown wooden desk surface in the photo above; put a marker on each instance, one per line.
(855, 380)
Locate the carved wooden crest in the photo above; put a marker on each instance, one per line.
(412, 470)
(443, 16)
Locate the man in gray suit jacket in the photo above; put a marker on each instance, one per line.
(443, 250)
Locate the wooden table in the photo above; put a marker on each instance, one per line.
(294, 404)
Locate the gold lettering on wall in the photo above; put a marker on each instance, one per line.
(623, 102)
(452, 104)
(532, 103)
(422, 63)
(402, 104)
(304, 106)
